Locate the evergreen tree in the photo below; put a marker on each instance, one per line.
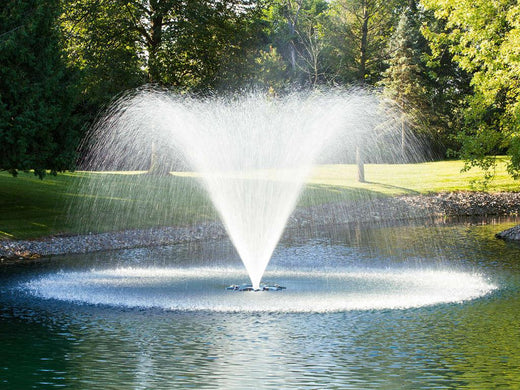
(37, 125)
(271, 71)
(359, 32)
(404, 79)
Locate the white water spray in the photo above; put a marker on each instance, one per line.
(252, 152)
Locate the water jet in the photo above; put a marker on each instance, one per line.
(251, 152)
(361, 309)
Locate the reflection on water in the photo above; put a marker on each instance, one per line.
(48, 343)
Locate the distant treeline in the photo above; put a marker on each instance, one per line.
(451, 66)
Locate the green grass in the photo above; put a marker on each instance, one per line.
(406, 179)
(95, 202)
(31, 208)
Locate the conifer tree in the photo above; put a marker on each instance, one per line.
(36, 94)
(404, 80)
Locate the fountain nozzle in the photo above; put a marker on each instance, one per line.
(249, 287)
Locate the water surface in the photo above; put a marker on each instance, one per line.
(83, 339)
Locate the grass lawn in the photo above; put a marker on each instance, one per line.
(31, 208)
(403, 179)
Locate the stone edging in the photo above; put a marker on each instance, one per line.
(380, 209)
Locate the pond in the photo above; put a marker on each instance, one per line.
(414, 305)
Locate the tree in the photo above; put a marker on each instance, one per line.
(362, 29)
(188, 45)
(38, 129)
(404, 80)
(449, 88)
(271, 71)
(283, 17)
(310, 34)
(483, 38)
(102, 47)
(296, 32)
(196, 45)
(215, 45)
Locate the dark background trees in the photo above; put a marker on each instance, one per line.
(38, 129)
(451, 66)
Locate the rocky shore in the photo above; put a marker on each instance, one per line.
(381, 209)
(510, 234)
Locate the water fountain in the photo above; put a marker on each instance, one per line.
(365, 307)
(252, 153)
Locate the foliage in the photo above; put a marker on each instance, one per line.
(190, 46)
(429, 89)
(271, 71)
(295, 31)
(448, 86)
(203, 44)
(452, 66)
(484, 39)
(359, 31)
(100, 45)
(37, 127)
(403, 80)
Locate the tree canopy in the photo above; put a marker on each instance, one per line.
(484, 39)
(37, 91)
(452, 66)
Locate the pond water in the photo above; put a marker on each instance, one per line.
(403, 306)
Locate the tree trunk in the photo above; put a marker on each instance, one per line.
(159, 165)
(292, 49)
(362, 78)
(360, 164)
(293, 21)
(154, 42)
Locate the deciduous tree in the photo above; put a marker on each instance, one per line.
(483, 37)
(295, 29)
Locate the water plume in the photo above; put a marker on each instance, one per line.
(252, 152)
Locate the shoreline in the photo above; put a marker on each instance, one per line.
(408, 207)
